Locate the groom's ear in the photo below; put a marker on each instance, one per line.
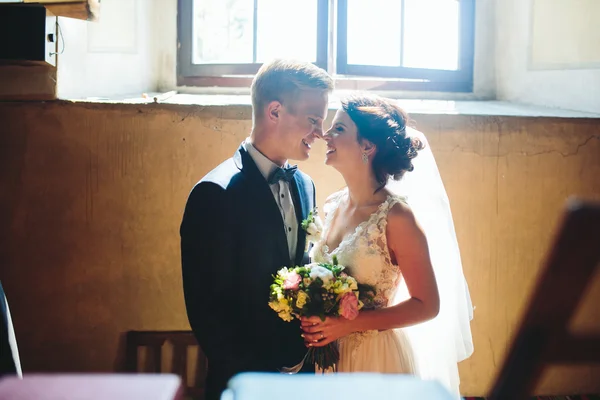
(274, 111)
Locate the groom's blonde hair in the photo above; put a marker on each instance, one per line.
(283, 80)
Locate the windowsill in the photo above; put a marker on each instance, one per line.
(242, 83)
(412, 106)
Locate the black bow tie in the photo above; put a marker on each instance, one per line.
(284, 174)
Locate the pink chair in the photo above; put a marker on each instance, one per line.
(92, 387)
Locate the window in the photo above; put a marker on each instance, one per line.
(383, 44)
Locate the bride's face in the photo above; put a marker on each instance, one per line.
(343, 148)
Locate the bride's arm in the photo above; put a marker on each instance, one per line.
(409, 250)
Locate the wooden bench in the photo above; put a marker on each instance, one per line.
(174, 352)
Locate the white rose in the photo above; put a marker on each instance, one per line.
(320, 272)
(283, 272)
(319, 224)
(312, 229)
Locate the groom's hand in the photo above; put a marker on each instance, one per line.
(317, 333)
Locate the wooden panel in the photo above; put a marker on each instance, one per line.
(80, 9)
(27, 82)
(54, 1)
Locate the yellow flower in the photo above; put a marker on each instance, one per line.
(352, 283)
(341, 288)
(282, 308)
(286, 316)
(301, 301)
(274, 305)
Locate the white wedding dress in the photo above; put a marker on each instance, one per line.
(366, 256)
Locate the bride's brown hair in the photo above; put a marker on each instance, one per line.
(383, 123)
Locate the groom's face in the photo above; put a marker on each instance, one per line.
(301, 123)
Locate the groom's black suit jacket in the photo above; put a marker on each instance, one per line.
(232, 242)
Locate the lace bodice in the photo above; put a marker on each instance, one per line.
(364, 252)
(365, 255)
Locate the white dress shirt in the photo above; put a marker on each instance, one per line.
(282, 195)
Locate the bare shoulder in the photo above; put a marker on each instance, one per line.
(402, 221)
(401, 213)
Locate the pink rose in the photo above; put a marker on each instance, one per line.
(349, 306)
(292, 281)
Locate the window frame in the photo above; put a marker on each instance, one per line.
(200, 74)
(460, 80)
(332, 56)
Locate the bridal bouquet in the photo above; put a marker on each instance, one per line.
(316, 289)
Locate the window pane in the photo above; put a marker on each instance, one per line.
(223, 31)
(431, 34)
(374, 32)
(287, 29)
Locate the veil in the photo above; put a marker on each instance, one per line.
(439, 344)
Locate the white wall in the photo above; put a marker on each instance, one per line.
(527, 69)
(484, 75)
(165, 41)
(110, 58)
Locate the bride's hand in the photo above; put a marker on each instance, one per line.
(317, 333)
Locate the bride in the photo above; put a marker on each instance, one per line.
(395, 234)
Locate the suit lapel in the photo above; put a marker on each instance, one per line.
(264, 197)
(301, 206)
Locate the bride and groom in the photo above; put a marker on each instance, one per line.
(242, 223)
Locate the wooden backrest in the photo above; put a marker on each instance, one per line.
(542, 337)
(157, 345)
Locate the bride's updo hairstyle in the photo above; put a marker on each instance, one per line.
(383, 123)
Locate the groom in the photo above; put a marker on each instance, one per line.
(242, 223)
